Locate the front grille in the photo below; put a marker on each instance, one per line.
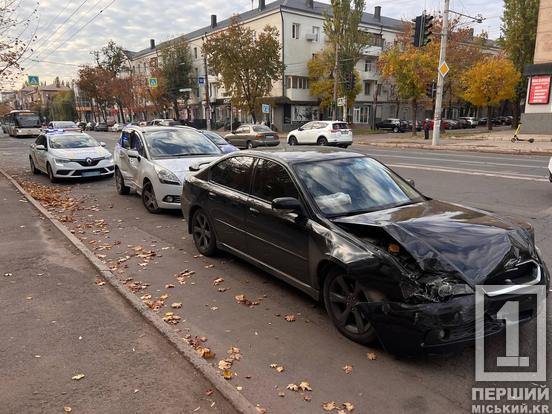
(94, 162)
(521, 274)
(78, 173)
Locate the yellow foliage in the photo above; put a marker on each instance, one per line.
(490, 81)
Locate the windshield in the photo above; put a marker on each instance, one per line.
(354, 185)
(72, 141)
(216, 138)
(179, 143)
(261, 128)
(27, 119)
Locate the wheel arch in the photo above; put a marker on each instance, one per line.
(324, 268)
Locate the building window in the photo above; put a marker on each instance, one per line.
(367, 87)
(297, 82)
(376, 39)
(195, 52)
(295, 31)
(153, 62)
(316, 33)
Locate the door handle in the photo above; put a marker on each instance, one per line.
(212, 195)
(254, 211)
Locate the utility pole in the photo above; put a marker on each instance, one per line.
(207, 102)
(441, 77)
(336, 80)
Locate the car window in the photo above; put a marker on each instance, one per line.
(136, 143)
(216, 138)
(233, 172)
(272, 181)
(307, 126)
(339, 125)
(64, 141)
(41, 140)
(171, 143)
(124, 141)
(261, 128)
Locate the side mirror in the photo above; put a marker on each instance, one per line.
(411, 182)
(194, 167)
(40, 147)
(134, 154)
(300, 129)
(103, 144)
(287, 204)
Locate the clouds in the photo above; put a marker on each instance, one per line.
(131, 23)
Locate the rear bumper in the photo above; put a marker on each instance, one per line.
(443, 327)
(265, 143)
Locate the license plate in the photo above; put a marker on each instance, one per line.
(344, 132)
(269, 136)
(90, 173)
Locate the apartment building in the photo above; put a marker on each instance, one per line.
(300, 25)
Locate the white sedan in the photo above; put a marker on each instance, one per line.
(72, 154)
(154, 161)
(335, 133)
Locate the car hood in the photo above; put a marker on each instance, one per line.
(228, 148)
(451, 239)
(181, 166)
(79, 153)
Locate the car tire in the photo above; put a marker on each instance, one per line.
(203, 233)
(322, 141)
(396, 129)
(249, 145)
(292, 141)
(122, 189)
(34, 170)
(149, 199)
(51, 176)
(342, 293)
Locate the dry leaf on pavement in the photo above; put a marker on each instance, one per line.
(260, 409)
(67, 409)
(224, 364)
(371, 356)
(176, 305)
(348, 369)
(293, 387)
(77, 377)
(227, 374)
(329, 406)
(290, 318)
(305, 386)
(218, 281)
(348, 406)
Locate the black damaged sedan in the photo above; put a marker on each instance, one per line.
(389, 263)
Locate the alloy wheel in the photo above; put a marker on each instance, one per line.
(148, 197)
(322, 141)
(292, 141)
(201, 230)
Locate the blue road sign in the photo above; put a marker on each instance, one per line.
(266, 108)
(152, 82)
(201, 80)
(33, 80)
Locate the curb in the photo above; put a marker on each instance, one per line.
(457, 148)
(234, 397)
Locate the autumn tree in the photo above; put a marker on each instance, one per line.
(175, 72)
(519, 29)
(62, 107)
(342, 28)
(321, 79)
(93, 83)
(17, 33)
(247, 62)
(490, 82)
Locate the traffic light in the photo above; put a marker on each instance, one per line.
(427, 25)
(350, 80)
(417, 30)
(430, 89)
(422, 30)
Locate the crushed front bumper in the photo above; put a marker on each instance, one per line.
(406, 329)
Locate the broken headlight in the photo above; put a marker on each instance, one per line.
(435, 289)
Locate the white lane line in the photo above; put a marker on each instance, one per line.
(444, 154)
(473, 172)
(543, 165)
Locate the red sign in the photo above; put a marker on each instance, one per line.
(539, 92)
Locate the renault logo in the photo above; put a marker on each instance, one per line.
(89, 161)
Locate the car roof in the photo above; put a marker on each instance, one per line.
(296, 155)
(59, 132)
(155, 128)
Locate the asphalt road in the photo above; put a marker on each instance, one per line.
(310, 349)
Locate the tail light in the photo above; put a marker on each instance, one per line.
(333, 131)
(259, 136)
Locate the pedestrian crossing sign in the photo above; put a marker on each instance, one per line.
(33, 80)
(152, 82)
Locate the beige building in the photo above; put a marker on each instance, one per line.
(537, 117)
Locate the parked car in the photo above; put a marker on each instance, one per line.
(163, 122)
(392, 124)
(90, 125)
(252, 136)
(81, 125)
(65, 125)
(101, 127)
(482, 121)
(472, 121)
(462, 123)
(116, 128)
(322, 133)
(444, 124)
(450, 124)
(384, 259)
(219, 141)
(154, 161)
(418, 125)
(69, 154)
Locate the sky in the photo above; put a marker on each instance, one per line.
(68, 30)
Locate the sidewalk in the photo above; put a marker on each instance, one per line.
(463, 140)
(59, 322)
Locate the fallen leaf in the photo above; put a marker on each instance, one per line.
(205, 352)
(348, 406)
(281, 394)
(171, 318)
(77, 377)
(209, 392)
(100, 282)
(239, 388)
(290, 318)
(227, 374)
(209, 266)
(307, 398)
(329, 406)
(280, 369)
(67, 409)
(223, 289)
(260, 409)
(371, 356)
(348, 369)
(169, 286)
(176, 305)
(218, 281)
(224, 364)
(293, 387)
(305, 386)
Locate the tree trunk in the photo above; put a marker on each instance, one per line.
(253, 115)
(121, 111)
(414, 110)
(490, 118)
(176, 110)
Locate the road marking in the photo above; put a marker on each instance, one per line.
(543, 165)
(473, 172)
